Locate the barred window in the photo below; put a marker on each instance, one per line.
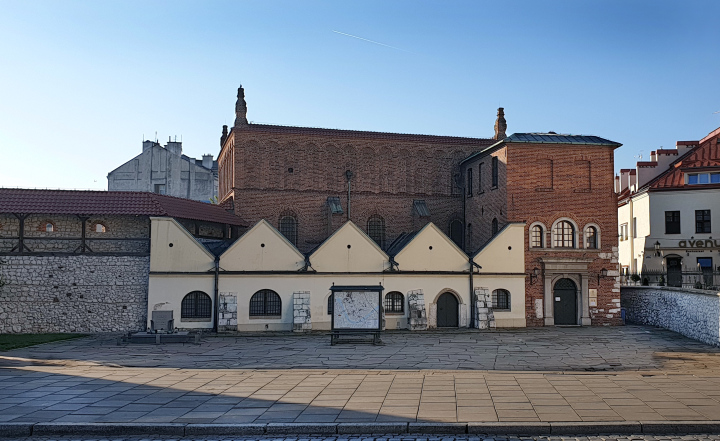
(394, 302)
(330, 304)
(591, 238)
(376, 230)
(501, 299)
(288, 228)
(564, 235)
(265, 302)
(196, 304)
(537, 237)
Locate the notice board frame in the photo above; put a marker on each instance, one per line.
(336, 333)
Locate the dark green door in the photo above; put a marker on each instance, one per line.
(565, 300)
(447, 311)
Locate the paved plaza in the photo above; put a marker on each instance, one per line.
(630, 373)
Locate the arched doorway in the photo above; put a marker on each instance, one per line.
(674, 270)
(565, 296)
(447, 311)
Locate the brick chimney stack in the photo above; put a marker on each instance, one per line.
(241, 109)
(500, 125)
(224, 136)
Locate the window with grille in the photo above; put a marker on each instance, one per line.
(394, 303)
(536, 237)
(495, 171)
(376, 230)
(702, 221)
(494, 226)
(196, 304)
(330, 304)
(591, 238)
(672, 222)
(564, 235)
(264, 303)
(501, 299)
(288, 228)
(456, 232)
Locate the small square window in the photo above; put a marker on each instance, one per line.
(715, 178)
(160, 188)
(692, 179)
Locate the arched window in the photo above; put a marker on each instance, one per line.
(564, 235)
(591, 239)
(100, 228)
(501, 299)
(376, 230)
(265, 302)
(394, 303)
(197, 304)
(288, 228)
(456, 232)
(49, 227)
(494, 226)
(537, 237)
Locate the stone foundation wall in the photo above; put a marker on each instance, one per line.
(693, 313)
(73, 293)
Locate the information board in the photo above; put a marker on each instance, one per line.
(357, 309)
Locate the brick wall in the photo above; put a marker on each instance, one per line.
(487, 202)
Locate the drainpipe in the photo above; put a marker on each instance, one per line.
(473, 304)
(217, 294)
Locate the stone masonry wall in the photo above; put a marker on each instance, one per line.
(73, 293)
(691, 312)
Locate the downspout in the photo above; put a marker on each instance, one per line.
(473, 304)
(217, 294)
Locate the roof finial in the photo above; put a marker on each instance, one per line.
(241, 108)
(500, 124)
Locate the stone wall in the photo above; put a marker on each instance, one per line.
(302, 321)
(691, 312)
(73, 293)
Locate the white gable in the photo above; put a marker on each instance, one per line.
(432, 250)
(349, 250)
(262, 248)
(172, 248)
(505, 253)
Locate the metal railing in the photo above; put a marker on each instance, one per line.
(705, 278)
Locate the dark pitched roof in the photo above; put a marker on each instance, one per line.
(217, 246)
(17, 200)
(355, 134)
(554, 138)
(399, 243)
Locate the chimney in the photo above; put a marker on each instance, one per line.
(617, 184)
(500, 125)
(147, 145)
(174, 146)
(241, 109)
(207, 161)
(223, 138)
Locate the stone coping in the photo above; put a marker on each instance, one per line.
(674, 289)
(491, 428)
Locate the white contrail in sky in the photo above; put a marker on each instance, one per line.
(370, 41)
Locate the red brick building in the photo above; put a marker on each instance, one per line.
(561, 186)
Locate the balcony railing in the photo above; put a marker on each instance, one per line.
(705, 278)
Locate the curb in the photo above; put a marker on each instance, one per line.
(489, 428)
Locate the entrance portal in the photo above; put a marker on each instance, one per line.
(674, 271)
(565, 296)
(447, 311)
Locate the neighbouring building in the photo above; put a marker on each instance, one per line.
(165, 170)
(669, 215)
(79, 261)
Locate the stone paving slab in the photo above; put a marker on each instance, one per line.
(557, 375)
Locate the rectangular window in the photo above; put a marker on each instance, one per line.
(479, 179)
(702, 221)
(704, 262)
(672, 222)
(160, 188)
(469, 182)
(495, 171)
(703, 178)
(634, 228)
(624, 232)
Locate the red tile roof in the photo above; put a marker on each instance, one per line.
(706, 155)
(16, 200)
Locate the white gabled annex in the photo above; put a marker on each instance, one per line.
(174, 249)
(262, 248)
(431, 250)
(349, 250)
(505, 252)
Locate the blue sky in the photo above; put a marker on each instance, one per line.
(81, 83)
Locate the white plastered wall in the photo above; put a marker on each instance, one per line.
(262, 248)
(349, 250)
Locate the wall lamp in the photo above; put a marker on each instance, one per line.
(534, 275)
(602, 274)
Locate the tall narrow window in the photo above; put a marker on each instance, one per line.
(479, 178)
(470, 182)
(394, 303)
(265, 303)
(564, 235)
(288, 228)
(494, 226)
(634, 227)
(376, 230)
(591, 238)
(672, 222)
(196, 305)
(456, 232)
(536, 237)
(494, 171)
(702, 221)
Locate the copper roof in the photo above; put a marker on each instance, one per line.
(355, 134)
(17, 200)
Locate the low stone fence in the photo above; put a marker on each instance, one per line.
(693, 313)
